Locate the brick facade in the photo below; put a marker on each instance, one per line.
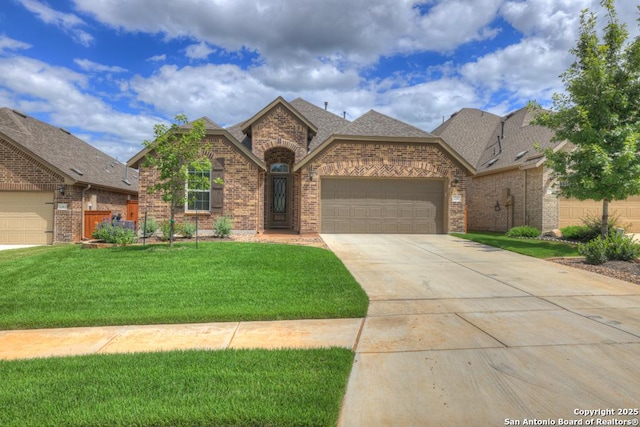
(242, 191)
(279, 128)
(278, 136)
(532, 203)
(383, 160)
(21, 172)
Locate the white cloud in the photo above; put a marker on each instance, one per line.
(198, 51)
(8, 44)
(70, 23)
(157, 58)
(358, 30)
(36, 87)
(88, 65)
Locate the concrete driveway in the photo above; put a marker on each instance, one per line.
(461, 334)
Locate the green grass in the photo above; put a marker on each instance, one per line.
(531, 247)
(188, 388)
(65, 286)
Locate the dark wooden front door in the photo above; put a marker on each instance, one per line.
(280, 201)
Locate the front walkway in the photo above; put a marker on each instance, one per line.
(21, 344)
(462, 334)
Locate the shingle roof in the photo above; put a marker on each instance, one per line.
(71, 156)
(326, 122)
(491, 142)
(468, 132)
(377, 124)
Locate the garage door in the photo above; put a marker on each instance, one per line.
(627, 211)
(359, 205)
(26, 218)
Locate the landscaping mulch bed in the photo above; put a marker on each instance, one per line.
(289, 239)
(628, 271)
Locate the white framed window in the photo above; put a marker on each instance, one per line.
(198, 199)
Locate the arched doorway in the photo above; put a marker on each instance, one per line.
(279, 195)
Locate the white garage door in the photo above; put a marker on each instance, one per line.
(364, 205)
(26, 218)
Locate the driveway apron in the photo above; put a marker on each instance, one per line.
(462, 334)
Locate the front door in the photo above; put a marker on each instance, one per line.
(280, 203)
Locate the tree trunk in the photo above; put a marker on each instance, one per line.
(171, 221)
(605, 218)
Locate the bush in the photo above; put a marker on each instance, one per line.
(595, 225)
(222, 226)
(187, 230)
(165, 229)
(621, 248)
(114, 232)
(581, 233)
(595, 251)
(149, 227)
(523, 231)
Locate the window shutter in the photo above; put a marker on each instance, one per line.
(217, 191)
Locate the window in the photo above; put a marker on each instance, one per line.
(199, 199)
(279, 168)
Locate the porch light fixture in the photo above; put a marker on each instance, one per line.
(61, 189)
(310, 173)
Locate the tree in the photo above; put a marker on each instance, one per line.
(174, 153)
(599, 115)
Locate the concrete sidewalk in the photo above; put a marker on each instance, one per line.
(462, 334)
(31, 343)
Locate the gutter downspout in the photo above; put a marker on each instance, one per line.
(82, 211)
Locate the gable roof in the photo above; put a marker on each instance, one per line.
(493, 143)
(468, 132)
(246, 126)
(211, 128)
(74, 159)
(376, 127)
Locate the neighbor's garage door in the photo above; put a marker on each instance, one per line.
(26, 218)
(360, 205)
(626, 211)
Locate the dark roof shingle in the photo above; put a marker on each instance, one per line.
(71, 156)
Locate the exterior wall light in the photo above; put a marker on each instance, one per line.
(61, 190)
(310, 173)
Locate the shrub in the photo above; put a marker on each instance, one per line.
(523, 231)
(222, 226)
(594, 251)
(621, 248)
(595, 225)
(165, 229)
(149, 227)
(187, 230)
(114, 232)
(581, 233)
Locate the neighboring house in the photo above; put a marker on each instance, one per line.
(295, 166)
(512, 186)
(50, 181)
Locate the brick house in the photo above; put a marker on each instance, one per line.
(512, 186)
(50, 181)
(295, 166)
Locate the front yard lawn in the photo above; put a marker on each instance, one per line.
(65, 286)
(187, 388)
(531, 247)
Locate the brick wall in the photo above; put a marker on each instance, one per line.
(532, 204)
(241, 191)
(20, 172)
(279, 128)
(383, 160)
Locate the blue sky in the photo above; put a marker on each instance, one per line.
(108, 70)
